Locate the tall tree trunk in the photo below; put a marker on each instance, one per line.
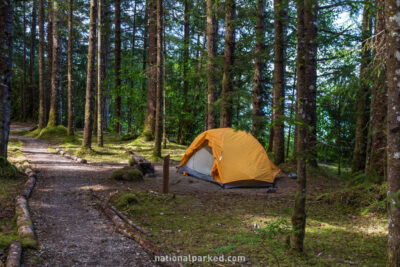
(49, 57)
(278, 106)
(118, 99)
(90, 79)
(132, 80)
(144, 57)
(32, 87)
(42, 111)
(292, 106)
(54, 101)
(164, 127)
(211, 76)
(363, 94)
(185, 109)
(100, 72)
(23, 89)
(149, 124)
(227, 85)
(71, 114)
(392, 11)
(311, 47)
(299, 212)
(377, 154)
(158, 126)
(257, 125)
(6, 47)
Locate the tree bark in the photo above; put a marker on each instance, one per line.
(144, 56)
(49, 56)
(6, 47)
(227, 85)
(158, 126)
(23, 89)
(376, 157)
(278, 105)
(117, 66)
(299, 213)
(392, 9)
(54, 100)
(164, 127)
(100, 72)
(71, 114)
(42, 111)
(363, 94)
(311, 47)
(149, 125)
(185, 109)
(211, 76)
(32, 49)
(257, 125)
(90, 79)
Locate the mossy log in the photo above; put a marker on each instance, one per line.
(14, 255)
(24, 222)
(141, 163)
(28, 187)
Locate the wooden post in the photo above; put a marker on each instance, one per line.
(165, 174)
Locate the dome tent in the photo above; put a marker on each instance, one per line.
(229, 158)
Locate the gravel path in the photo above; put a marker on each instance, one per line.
(70, 229)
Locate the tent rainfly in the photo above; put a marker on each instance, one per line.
(229, 158)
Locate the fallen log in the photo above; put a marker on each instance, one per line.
(149, 247)
(24, 222)
(14, 254)
(122, 216)
(28, 187)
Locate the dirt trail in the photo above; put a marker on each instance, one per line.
(70, 229)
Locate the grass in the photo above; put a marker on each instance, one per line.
(338, 233)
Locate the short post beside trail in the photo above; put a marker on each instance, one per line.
(165, 180)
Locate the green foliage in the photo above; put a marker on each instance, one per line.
(131, 175)
(7, 170)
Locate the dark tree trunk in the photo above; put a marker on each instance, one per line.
(32, 49)
(6, 47)
(376, 164)
(310, 61)
(100, 72)
(257, 125)
(49, 56)
(149, 125)
(23, 88)
(164, 127)
(299, 213)
(278, 106)
(158, 126)
(118, 99)
(42, 111)
(292, 107)
(90, 79)
(55, 97)
(70, 80)
(392, 10)
(144, 56)
(211, 77)
(184, 119)
(227, 85)
(363, 94)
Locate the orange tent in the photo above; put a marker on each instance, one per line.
(230, 158)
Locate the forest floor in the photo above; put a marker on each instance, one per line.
(346, 225)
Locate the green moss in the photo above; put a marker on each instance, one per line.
(147, 135)
(132, 175)
(7, 170)
(53, 132)
(52, 118)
